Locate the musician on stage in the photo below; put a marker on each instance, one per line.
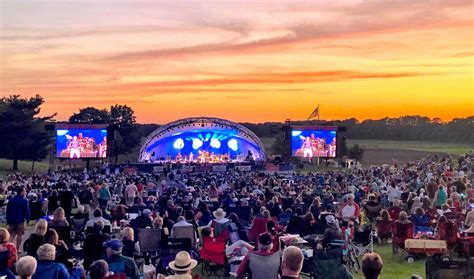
(74, 148)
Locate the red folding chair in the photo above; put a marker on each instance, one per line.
(401, 232)
(384, 229)
(213, 256)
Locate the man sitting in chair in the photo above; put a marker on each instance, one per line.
(183, 229)
(265, 246)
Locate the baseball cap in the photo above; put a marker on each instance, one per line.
(146, 212)
(113, 244)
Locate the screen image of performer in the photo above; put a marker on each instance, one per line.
(103, 148)
(74, 148)
(307, 147)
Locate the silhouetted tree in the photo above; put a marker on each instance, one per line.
(23, 136)
(90, 115)
(127, 137)
(356, 152)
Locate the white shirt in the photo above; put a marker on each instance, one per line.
(131, 190)
(92, 221)
(348, 211)
(393, 193)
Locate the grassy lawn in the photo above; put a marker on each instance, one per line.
(395, 266)
(439, 147)
(23, 166)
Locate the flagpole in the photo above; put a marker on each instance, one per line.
(319, 112)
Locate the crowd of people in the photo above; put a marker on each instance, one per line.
(248, 211)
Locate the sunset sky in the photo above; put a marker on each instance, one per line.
(242, 60)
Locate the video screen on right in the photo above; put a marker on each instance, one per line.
(314, 142)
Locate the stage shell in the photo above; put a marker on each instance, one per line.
(191, 135)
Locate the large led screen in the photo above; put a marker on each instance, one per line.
(315, 142)
(76, 142)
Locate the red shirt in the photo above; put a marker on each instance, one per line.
(12, 252)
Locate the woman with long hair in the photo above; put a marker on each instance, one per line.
(130, 247)
(36, 239)
(59, 219)
(62, 252)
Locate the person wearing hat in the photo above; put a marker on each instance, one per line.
(119, 263)
(219, 216)
(182, 266)
(265, 246)
(219, 224)
(332, 232)
(144, 220)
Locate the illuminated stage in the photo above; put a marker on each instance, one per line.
(202, 140)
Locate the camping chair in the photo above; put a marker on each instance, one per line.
(149, 240)
(264, 266)
(284, 218)
(168, 252)
(185, 232)
(328, 264)
(401, 232)
(64, 233)
(384, 229)
(213, 256)
(451, 235)
(78, 227)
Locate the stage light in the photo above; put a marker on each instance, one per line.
(197, 143)
(232, 144)
(215, 143)
(178, 144)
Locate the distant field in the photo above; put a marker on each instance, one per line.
(436, 147)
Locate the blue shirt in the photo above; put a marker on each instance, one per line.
(18, 210)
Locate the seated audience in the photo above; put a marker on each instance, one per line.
(98, 217)
(26, 267)
(47, 267)
(371, 265)
(36, 239)
(93, 244)
(62, 252)
(265, 246)
(130, 247)
(292, 263)
(59, 219)
(98, 270)
(6, 245)
(332, 232)
(182, 266)
(144, 220)
(119, 263)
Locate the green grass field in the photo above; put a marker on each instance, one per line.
(438, 147)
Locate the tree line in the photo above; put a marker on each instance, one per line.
(24, 137)
(406, 128)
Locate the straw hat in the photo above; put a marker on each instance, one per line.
(219, 213)
(183, 262)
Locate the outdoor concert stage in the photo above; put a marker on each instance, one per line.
(201, 140)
